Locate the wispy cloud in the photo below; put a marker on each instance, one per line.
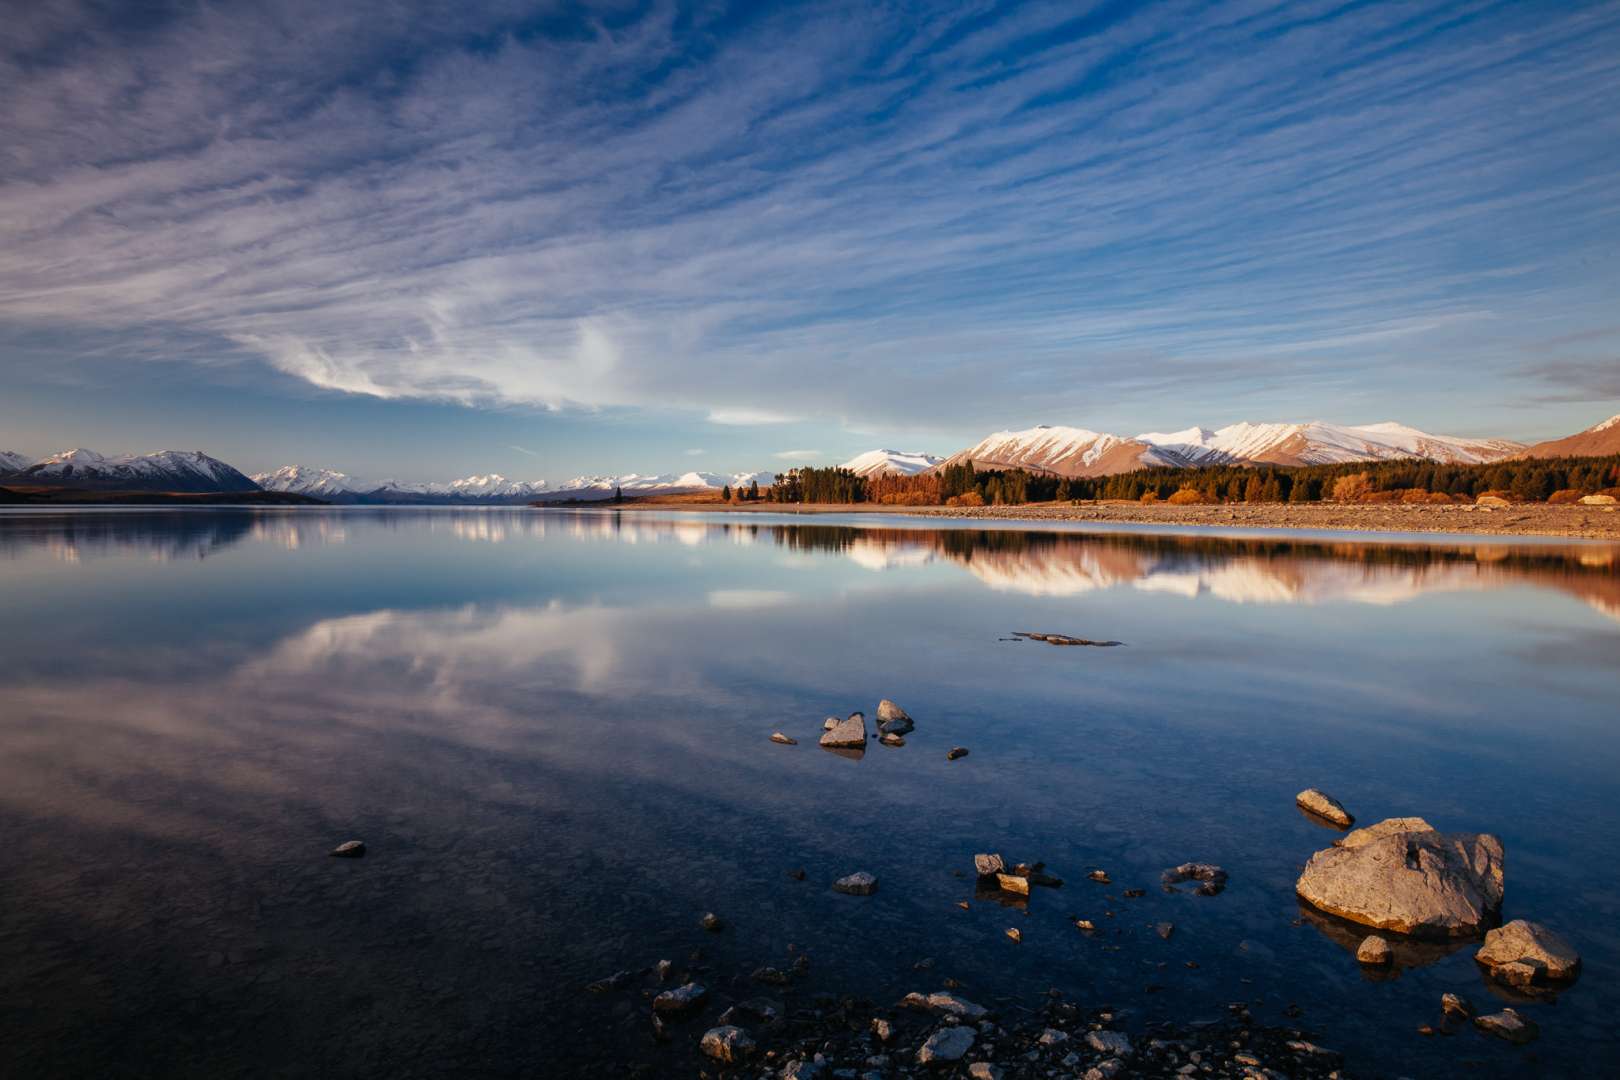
(523, 450)
(857, 212)
(797, 455)
(696, 451)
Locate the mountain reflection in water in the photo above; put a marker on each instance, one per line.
(550, 730)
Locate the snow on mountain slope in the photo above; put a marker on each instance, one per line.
(304, 480)
(164, 470)
(1065, 451)
(11, 461)
(1595, 441)
(891, 463)
(1319, 443)
(603, 487)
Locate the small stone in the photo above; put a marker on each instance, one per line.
(1164, 929)
(712, 922)
(803, 1070)
(956, 752)
(1100, 877)
(888, 739)
(1013, 932)
(857, 884)
(770, 975)
(951, 1005)
(1539, 953)
(1013, 884)
(830, 723)
(351, 849)
(1105, 1070)
(680, 999)
(612, 982)
(985, 865)
(1325, 807)
(963, 904)
(1052, 1036)
(1085, 924)
(1135, 894)
(1453, 1005)
(663, 969)
(727, 1043)
(1374, 951)
(946, 1045)
(846, 734)
(785, 740)
(983, 1070)
(1509, 1025)
(888, 710)
(1109, 1042)
(882, 1029)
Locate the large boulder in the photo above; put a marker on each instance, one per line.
(1403, 875)
(1525, 952)
(846, 734)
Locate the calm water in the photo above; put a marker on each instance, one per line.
(550, 729)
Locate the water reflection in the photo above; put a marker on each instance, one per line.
(551, 730)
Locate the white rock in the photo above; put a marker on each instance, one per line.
(857, 884)
(946, 1045)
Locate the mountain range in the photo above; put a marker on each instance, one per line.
(1061, 451)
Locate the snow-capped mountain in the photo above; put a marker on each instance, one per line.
(1068, 451)
(1319, 443)
(11, 461)
(164, 470)
(891, 463)
(1595, 441)
(603, 487)
(1065, 451)
(303, 480)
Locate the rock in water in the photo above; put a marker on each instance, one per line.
(1402, 875)
(888, 710)
(1324, 806)
(680, 999)
(830, 723)
(951, 1005)
(727, 1043)
(785, 740)
(1110, 1042)
(985, 865)
(897, 727)
(712, 922)
(1013, 883)
(956, 752)
(349, 849)
(847, 734)
(946, 1045)
(888, 738)
(1509, 1025)
(1549, 958)
(1374, 951)
(1453, 1005)
(858, 884)
(1211, 878)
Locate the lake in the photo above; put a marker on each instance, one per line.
(551, 728)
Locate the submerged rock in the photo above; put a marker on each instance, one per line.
(1509, 1025)
(1453, 1005)
(681, 999)
(890, 739)
(1211, 878)
(1523, 952)
(946, 1045)
(712, 922)
(785, 740)
(846, 734)
(1374, 951)
(1403, 875)
(857, 884)
(349, 849)
(727, 1043)
(956, 752)
(1324, 806)
(1164, 929)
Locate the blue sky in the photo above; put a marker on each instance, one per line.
(428, 239)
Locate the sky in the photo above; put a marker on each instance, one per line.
(425, 239)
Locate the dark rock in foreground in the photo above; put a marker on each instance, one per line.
(681, 999)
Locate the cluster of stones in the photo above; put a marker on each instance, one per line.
(1405, 878)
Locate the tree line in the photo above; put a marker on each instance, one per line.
(1406, 480)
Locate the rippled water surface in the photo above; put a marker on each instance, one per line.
(550, 728)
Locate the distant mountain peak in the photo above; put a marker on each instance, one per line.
(891, 463)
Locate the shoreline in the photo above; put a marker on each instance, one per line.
(1526, 520)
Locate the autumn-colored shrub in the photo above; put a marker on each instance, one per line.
(1149, 497)
(1439, 497)
(1351, 488)
(1505, 496)
(967, 498)
(1380, 497)
(1413, 496)
(1185, 497)
(906, 498)
(1566, 495)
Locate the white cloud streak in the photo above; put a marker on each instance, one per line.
(863, 213)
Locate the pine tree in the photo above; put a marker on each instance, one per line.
(725, 493)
